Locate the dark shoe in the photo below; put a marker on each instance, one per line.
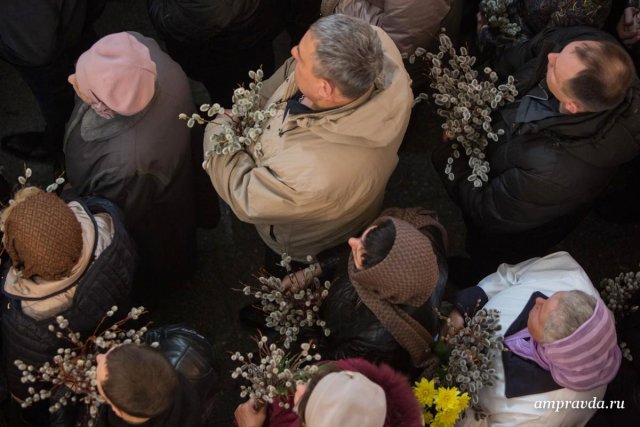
(27, 145)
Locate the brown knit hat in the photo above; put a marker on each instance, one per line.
(43, 237)
(407, 275)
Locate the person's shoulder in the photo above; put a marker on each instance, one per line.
(629, 107)
(342, 300)
(190, 407)
(562, 36)
(536, 153)
(149, 42)
(557, 271)
(389, 47)
(168, 71)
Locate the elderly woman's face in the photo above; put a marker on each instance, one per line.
(539, 314)
(357, 247)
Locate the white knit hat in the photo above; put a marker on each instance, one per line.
(346, 399)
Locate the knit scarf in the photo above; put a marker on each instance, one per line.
(95, 126)
(406, 276)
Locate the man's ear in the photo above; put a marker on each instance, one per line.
(573, 107)
(326, 89)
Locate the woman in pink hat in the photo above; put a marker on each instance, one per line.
(124, 142)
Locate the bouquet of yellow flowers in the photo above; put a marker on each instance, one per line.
(442, 405)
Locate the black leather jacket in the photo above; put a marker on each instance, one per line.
(357, 332)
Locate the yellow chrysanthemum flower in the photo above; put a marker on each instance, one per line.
(463, 402)
(425, 392)
(447, 399)
(445, 419)
(448, 418)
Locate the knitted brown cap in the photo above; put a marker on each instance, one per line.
(43, 237)
(407, 275)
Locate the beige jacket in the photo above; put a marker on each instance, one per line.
(410, 23)
(322, 176)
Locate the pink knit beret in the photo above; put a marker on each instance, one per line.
(118, 72)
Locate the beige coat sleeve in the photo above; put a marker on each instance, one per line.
(254, 193)
(410, 23)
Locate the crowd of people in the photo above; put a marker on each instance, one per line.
(140, 182)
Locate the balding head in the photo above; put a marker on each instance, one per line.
(590, 76)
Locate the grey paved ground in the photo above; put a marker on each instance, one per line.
(229, 254)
